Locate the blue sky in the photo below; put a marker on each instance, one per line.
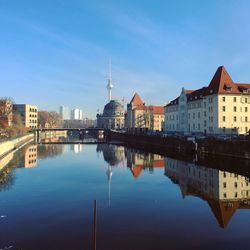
(56, 52)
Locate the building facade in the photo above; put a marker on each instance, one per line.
(112, 116)
(221, 108)
(29, 114)
(140, 116)
(77, 114)
(64, 112)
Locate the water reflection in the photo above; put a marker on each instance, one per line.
(63, 190)
(225, 192)
(30, 156)
(138, 161)
(112, 154)
(76, 148)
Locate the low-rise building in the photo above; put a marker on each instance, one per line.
(29, 114)
(144, 117)
(223, 107)
(112, 116)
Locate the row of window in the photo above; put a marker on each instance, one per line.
(235, 119)
(235, 109)
(235, 99)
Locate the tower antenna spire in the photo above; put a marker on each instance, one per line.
(109, 85)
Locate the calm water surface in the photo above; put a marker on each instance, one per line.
(144, 200)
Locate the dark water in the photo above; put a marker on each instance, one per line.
(144, 200)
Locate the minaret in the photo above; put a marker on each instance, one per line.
(109, 85)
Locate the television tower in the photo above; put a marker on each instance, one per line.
(109, 85)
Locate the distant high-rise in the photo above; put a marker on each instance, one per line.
(76, 114)
(64, 112)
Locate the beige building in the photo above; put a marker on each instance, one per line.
(140, 116)
(224, 191)
(221, 108)
(29, 114)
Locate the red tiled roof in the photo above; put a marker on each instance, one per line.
(158, 109)
(155, 109)
(136, 100)
(221, 83)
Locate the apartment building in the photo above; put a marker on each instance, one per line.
(29, 114)
(223, 107)
(144, 117)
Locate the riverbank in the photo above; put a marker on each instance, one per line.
(183, 146)
(7, 146)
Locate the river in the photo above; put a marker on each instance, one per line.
(144, 200)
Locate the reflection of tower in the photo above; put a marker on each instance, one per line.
(109, 85)
(109, 174)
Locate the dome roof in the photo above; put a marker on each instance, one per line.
(113, 108)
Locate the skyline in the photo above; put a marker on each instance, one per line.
(58, 52)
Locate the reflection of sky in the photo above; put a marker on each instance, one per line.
(51, 207)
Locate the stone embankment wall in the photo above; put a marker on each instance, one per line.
(8, 146)
(180, 145)
(232, 148)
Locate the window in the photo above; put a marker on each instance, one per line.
(235, 99)
(235, 109)
(224, 184)
(235, 185)
(245, 118)
(223, 98)
(223, 118)
(235, 119)
(223, 108)
(198, 114)
(235, 194)
(225, 195)
(245, 109)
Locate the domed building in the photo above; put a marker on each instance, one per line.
(113, 116)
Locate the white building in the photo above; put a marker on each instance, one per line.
(64, 112)
(221, 108)
(76, 114)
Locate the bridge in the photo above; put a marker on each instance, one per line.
(81, 131)
(72, 129)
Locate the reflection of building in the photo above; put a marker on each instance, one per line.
(221, 107)
(30, 156)
(225, 192)
(141, 116)
(28, 114)
(112, 154)
(76, 148)
(138, 161)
